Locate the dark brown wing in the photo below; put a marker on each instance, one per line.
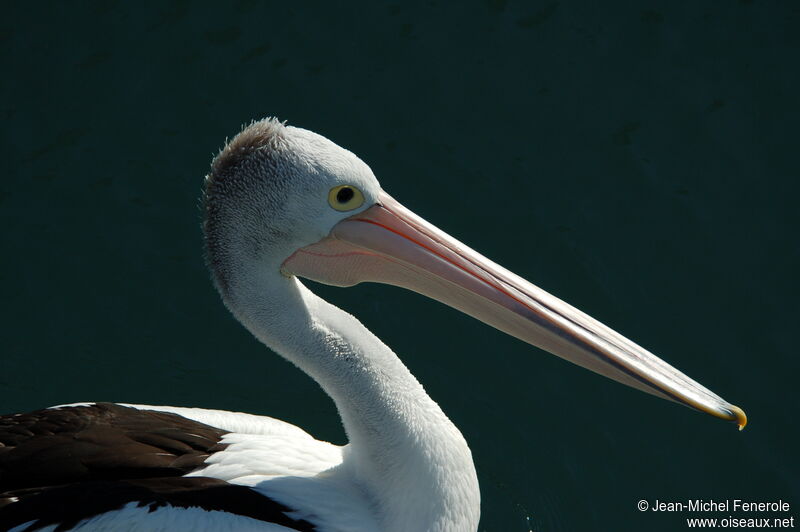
(103, 441)
(61, 466)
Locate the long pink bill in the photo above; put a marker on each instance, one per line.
(389, 244)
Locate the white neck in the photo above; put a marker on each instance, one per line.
(403, 450)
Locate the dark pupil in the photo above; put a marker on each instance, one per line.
(345, 195)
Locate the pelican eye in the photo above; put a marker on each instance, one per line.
(345, 198)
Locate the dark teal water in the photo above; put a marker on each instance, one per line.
(638, 159)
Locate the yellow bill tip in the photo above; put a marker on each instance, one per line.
(728, 412)
(738, 416)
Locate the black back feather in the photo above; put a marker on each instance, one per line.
(61, 466)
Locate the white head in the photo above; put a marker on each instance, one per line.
(275, 189)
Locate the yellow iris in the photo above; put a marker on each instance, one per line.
(345, 198)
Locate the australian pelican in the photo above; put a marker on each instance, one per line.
(282, 203)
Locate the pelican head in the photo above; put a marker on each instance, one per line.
(299, 205)
(269, 194)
